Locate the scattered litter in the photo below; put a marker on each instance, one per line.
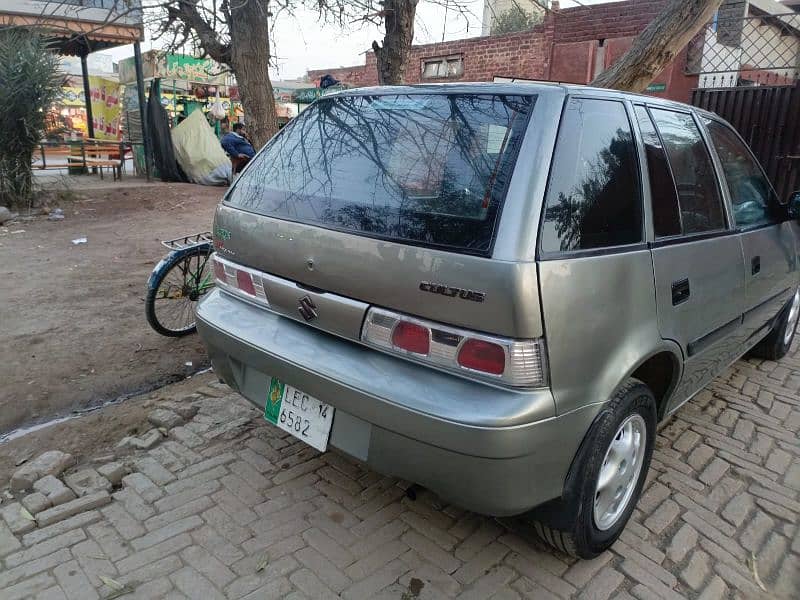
(263, 564)
(753, 568)
(56, 215)
(24, 459)
(18, 231)
(188, 364)
(77, 241)
(119, 588)
(26, 514)
(112, 583)
(96, 556)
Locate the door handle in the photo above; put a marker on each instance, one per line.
(680, 291)
(755, 265)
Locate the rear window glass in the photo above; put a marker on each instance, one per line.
(424, 168)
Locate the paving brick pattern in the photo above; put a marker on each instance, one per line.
(228, 507)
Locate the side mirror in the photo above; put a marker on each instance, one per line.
(794, 206)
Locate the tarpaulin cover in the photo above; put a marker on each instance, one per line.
(199, 153)
(158, 129)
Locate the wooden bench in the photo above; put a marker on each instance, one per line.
(90, 153)
(102, 154)
(52, 156)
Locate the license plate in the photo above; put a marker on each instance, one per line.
(302, 415)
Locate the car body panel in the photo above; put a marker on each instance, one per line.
(770, 260)
(706, 323)
(384, 273)
(599, 315)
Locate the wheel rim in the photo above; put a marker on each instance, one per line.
(794, 315)
(619, 472)
(180, 289)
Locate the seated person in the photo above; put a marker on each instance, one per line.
(236, 144)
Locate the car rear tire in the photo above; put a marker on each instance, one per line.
(776, 345)
(606, 477)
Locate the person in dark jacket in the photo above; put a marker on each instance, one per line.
(236, 144)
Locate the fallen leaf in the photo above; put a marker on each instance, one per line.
(26, 514)
(263, 564)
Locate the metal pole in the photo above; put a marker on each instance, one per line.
(137, 59)
(87, 93)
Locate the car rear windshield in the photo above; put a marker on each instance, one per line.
(428, 169)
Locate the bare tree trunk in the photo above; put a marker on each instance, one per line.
(657, 45)
(249, 60)
(247, 55)
(398, 21)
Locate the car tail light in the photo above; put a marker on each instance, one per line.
(239, 280)
(412, 337)
(244, 281)
(517, 363)
(219, 272)
(483, 356)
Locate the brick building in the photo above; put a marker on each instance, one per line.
(570, 45)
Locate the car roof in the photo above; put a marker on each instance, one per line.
(515, 87)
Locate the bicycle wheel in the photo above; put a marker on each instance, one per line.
(176, 285)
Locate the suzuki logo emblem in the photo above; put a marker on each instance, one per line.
(307, 308)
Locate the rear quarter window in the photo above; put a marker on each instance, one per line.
(593, 197)
(429, 169)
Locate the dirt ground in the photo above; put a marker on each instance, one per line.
(72, 328)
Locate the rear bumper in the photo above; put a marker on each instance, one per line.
(491, 450)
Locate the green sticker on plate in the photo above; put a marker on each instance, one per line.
(272, 407)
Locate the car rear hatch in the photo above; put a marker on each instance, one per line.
(387, 201)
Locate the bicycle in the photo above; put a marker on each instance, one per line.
(177, 282)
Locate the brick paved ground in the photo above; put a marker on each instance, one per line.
(226, 507)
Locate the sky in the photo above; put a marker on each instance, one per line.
(301, 42)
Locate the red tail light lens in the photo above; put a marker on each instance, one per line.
(483, 356)
(412, 337)
(219, 272)
(245, 282)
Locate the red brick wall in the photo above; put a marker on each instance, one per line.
(603, 21)
(562, 48)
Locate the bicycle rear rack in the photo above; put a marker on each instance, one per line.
(187, 241)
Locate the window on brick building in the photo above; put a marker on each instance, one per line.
(445, 67)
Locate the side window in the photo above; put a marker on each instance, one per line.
(695, 179)
(663, 195)
(593, 197)
(754, 201)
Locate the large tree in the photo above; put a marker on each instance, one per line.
(236, 34)
(658, 44)
(392, 55)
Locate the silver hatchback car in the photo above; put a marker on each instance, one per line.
(497, 291)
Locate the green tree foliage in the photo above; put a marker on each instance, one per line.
(30, 83)
(515, 19)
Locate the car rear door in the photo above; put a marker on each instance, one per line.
(766, 236)
(697, 256)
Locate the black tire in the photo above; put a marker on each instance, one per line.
(568, 523)
(776, 345)
(185, 272)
